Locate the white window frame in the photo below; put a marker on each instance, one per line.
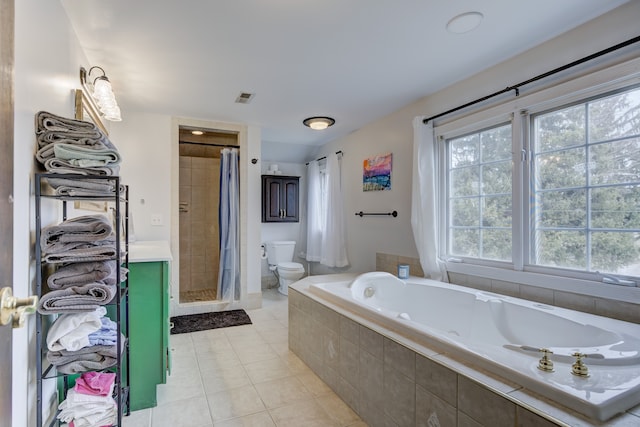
(519, 111)
(445, 196)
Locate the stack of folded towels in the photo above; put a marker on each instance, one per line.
(90, 403)
(68, 146)
(81, 342)
(85, 250)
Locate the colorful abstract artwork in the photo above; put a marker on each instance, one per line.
(376, 173)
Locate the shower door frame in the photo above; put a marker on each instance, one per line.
(248, 144)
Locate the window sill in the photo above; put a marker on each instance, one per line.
(556, 283)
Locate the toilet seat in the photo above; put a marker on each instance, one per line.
(288, 273)
(290, 266)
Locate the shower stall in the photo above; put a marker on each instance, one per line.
(199, 204)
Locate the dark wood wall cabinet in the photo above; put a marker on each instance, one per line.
(280, 199)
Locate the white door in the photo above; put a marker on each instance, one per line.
(7, 17)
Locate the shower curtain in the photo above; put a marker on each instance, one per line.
(229, 217)
(315, 213)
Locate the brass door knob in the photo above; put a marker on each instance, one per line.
(14, 309)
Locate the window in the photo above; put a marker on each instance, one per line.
(577, 189)
(586, 185)
(480, 177)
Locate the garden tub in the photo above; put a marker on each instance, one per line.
(504, 335)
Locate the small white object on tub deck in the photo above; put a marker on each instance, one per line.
(404, 316)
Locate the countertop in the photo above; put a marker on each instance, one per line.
(149, 251)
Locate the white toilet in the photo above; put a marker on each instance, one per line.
(279, 257)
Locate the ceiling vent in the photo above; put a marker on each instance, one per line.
(244, 98)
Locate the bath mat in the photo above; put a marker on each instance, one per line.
(204, 321)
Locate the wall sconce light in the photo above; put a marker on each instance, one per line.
(101, 93)
(318, 123)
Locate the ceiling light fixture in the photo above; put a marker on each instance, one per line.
(318, 122)
(464, 22)
(102, 93)
(197, 132)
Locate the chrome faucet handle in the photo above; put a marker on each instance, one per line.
(579, 369)
(545, 364)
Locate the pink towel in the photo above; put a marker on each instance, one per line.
(95, 383)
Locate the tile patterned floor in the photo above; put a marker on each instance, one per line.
(244, 376)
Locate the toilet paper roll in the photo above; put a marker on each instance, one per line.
(263, 252)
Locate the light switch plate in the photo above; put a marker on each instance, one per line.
(156, 219)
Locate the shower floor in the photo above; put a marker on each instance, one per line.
(198, 295)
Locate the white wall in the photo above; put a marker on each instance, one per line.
(252, 211)
(144, 141)
(368, 235)
(393, 133)
(47, 63)
(296, 231)
(150, 156)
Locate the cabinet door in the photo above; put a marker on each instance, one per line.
(280, 198)
(271, 206)
(148, 329)
(289, 196)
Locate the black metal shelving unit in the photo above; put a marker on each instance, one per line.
(119, 199)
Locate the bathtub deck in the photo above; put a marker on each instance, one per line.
(389, 380)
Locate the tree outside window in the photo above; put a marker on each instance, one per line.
(586, 173)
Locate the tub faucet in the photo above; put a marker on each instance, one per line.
(579, 369)
(545, 364)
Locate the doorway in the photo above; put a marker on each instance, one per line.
(199, 200)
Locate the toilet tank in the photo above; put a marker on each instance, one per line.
(280, 251)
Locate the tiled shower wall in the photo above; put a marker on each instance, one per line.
(601, 306)
(388, 384)
(199, 252)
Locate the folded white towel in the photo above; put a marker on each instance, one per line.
(88, 411)
(71, 331)
(75, 398)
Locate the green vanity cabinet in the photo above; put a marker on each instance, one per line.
(148, 330)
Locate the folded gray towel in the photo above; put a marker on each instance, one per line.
(61, 166)
(46, 121)
(88, 139)
(84, 187)
(48, 141)
(87, 228)
(92, 358)
(76, 298)
(82, 253)
(52, 130)
(84, 157)
(81, 273)
(64, 247)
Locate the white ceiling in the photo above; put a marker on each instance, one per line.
(353, 60)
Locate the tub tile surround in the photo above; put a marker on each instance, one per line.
(398, 383)
(620, 310)
(389, 263)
